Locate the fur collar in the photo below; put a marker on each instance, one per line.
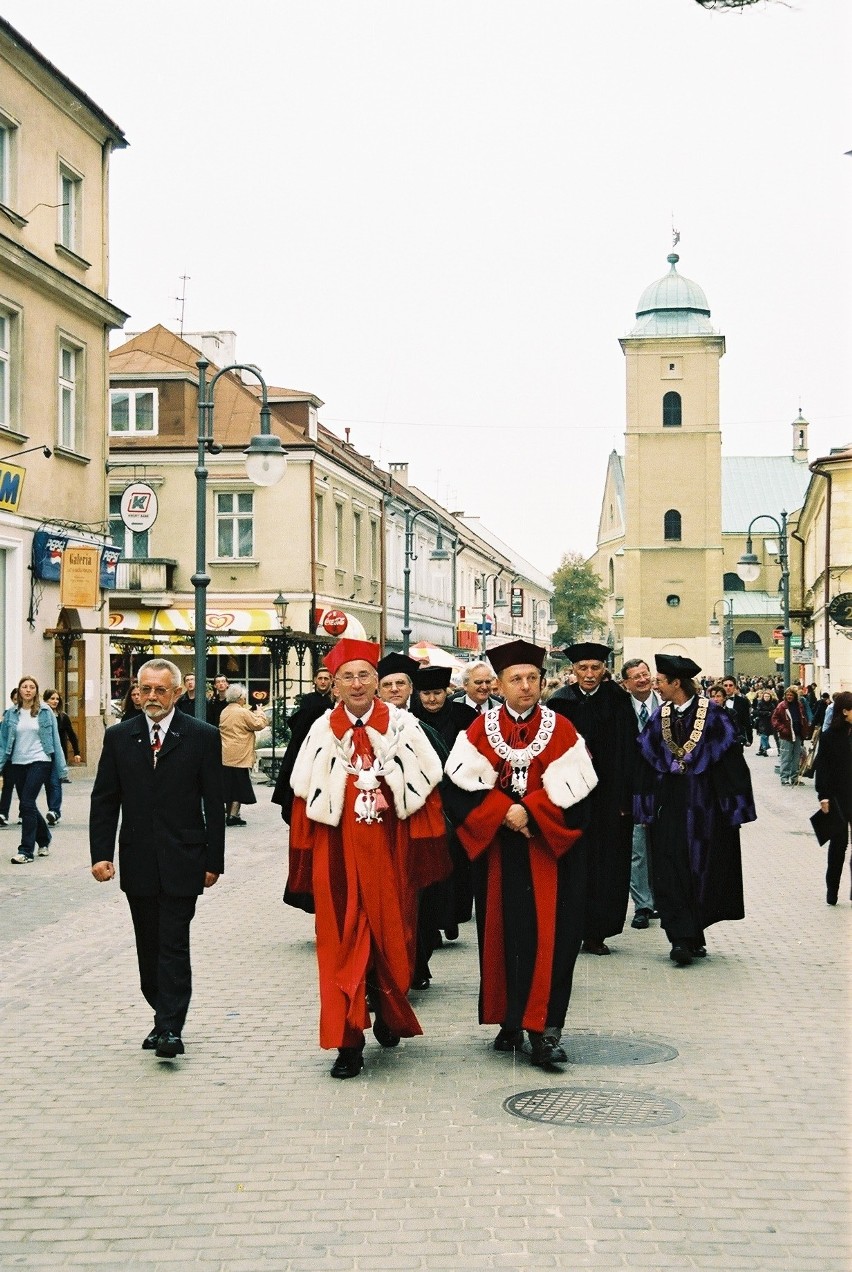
(567, 779)
(319, 774)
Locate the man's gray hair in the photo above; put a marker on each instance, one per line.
(479, 665)
(234, 692)
(162, 664)
(631, 663)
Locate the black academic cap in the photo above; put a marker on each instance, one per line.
(513, 653)
(393, 664)
(588, 649)
(433, 677)
(676, 668)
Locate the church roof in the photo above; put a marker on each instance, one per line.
(755, 484)
(673, 306)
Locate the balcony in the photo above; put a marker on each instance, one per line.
(148, 580)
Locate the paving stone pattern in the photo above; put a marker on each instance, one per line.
(245, 1154)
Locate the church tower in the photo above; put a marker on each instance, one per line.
(672, 473)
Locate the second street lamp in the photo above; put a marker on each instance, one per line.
(727, 635)
(438, 553)
(266, 462)
(748, 568)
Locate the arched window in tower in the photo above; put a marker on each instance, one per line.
(748, 638)
(671, 526)
(731, 582)
(671, 410)
(611, 576)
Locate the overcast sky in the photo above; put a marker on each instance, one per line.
(439, 217)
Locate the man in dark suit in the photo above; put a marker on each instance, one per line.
(162, 772)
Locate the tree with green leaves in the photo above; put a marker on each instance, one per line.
(577, 600)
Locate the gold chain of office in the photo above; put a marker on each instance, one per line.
(680, 752)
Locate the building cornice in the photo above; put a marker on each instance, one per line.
(53, 282)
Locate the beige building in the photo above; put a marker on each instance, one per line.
(823, 537)
(675, 513)
(55, 317)
(312, 543)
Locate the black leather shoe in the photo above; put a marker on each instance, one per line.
(383, 1034)
(543, 1053)
(452, 932)
(509, 1040)
(595, 947)
(348, 1064)
(150, 1043)
(681, 954)
(831, 898)
(421, 982)
(553, 1039)
(169, 1045)
(641, 919)
(699, 951)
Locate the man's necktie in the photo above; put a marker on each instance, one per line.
(156, 743)
(643, 717)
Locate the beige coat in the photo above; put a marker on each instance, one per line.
(238, 726)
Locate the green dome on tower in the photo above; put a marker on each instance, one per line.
(673, 306)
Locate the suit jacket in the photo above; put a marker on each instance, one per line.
(833, 769)
(172, 817)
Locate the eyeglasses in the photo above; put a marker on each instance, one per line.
(355, 677)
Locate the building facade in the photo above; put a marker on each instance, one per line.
(55, 317)
(823, 536)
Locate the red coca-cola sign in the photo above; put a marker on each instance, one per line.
(335, 622)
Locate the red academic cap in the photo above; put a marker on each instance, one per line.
(347, 650)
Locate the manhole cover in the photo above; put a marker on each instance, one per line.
(585, 1106)
(611, 1049)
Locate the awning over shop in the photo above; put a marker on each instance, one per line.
(178, 625)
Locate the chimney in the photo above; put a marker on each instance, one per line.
(399, 472)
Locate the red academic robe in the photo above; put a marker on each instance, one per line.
(365, 877)
(551, 909)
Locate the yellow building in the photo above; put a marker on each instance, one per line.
(55, 316)
(675, 514)
(824, 536)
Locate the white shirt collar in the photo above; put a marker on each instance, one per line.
(363, 718)
(685, 707)
(162, 725)
(517, 715)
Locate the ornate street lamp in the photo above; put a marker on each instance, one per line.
(748, 568)
(481, 584)
(727, 638)
(266, 462)
(438, 553)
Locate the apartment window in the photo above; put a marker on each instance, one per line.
(671, 526)
(133, 411)
(374, 549)
(6, 133)
(134, 544)
(338, 534)
(70, 395)
(234, 525)
(356, 542)
(5, 369)
(671, 410)
(319, 517)
(70, 198)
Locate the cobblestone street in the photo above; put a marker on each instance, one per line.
(246, 1155)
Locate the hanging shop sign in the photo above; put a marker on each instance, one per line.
(840, 610)
(139, 506)
(11, 487)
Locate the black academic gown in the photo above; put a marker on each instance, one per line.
(607, 723)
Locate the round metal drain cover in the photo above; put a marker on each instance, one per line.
(587, 1106)
(611, 1049)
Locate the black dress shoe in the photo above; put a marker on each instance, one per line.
(681, 954)
(641, 919)
(595, 947)
(831, 898)
(509, 1040)
(150, 1043)
(544, 1051)
(452, 932)
(421, 982)
(383, 1034)
(169, 1045)
(699, 951)
(348, 1064)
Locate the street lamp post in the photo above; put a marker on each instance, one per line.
(748, 568)
(727, 635)
(438, 553)
(481, 584)
(266, 461)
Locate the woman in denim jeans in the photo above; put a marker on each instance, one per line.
(29, 737)
(53, 698)
(791, 728)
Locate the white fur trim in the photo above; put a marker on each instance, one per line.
(319, 774)
(570, 778)
(468, 768)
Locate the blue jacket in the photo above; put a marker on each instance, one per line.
(48, 733)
